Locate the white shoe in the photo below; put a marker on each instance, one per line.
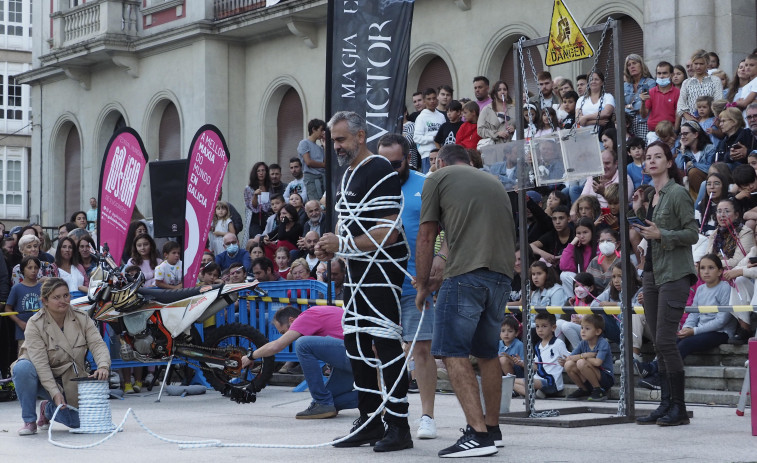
(426, 428)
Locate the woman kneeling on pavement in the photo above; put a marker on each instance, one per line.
(57, 340)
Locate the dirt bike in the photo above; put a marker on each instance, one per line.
(158, 324)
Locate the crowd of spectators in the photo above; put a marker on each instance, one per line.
(705, 118)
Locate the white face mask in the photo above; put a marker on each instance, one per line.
(581, 292)
(607, 248)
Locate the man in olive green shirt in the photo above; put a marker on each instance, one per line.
(474, 210)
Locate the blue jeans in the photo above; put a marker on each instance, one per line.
(28, 388)
(470, 309)
(338, 391)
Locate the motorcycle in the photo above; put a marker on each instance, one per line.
(158, 324)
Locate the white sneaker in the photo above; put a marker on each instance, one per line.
(426, 428)
(149, 379)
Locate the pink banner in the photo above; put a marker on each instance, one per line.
(120, 177)
(208, 159)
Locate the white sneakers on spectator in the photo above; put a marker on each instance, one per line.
(426, 428)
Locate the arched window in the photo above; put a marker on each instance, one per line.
(506, 73)
(289, 123)
(435, 74)
(72, 159)
(169, 134)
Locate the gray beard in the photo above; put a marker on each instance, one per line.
(347, 158)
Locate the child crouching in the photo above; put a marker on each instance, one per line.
(590, 365)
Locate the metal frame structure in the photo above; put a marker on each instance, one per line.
(521, 418)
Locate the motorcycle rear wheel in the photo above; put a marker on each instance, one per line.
(244, 337)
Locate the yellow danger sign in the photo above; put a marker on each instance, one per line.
(566, 40)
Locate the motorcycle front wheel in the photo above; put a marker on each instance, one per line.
(244, 338)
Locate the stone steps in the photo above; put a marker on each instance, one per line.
(714, 377)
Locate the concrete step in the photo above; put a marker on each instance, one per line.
(702, 377)
(693, 396)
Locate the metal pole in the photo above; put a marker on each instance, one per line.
(328, 148)
(522, 223)
(625, 247)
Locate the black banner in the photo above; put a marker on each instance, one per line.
(369, 59)
(366, 71)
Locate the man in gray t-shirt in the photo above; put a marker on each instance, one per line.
(313, 160)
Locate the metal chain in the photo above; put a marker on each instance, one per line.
(604, 82)
(523, 77)
(529, 364)
(622, 393)
(529, 355)
(593, 69)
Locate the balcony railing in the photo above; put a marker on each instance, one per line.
(95, 18)
(226, 8)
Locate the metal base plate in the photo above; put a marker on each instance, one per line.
(560, 422)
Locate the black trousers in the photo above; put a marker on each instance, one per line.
(663, 307)
(383, 299)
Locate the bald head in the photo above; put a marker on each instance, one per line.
(311, 238)
(313, 210)
(230, 239)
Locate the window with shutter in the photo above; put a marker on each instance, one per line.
(72, 182)
(169, 135)
(508, 67)
(435, 74)
(289, 132)
(632, 42)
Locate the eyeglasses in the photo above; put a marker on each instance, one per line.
(396, 164)
(751, 116)
(714, 184)
(723, 211)
(686, 134)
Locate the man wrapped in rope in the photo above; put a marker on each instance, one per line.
(371, 239)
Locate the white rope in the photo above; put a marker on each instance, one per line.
(349, 215)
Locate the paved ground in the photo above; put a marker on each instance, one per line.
(715, 435)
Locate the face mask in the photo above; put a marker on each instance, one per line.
(607, 248)
(663, 82)
(581, 292)
(232, 249)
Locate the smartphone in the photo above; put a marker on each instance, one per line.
(753, 260)
(606, 211)
(635, 221)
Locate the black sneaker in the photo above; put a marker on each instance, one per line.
(472, 444)
(598, 394)
(395, 438)
(371, 434)
(413, 387)
(496, 434)
(578, 394)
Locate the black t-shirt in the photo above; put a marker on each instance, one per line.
(551, 242)
(569, 121)
(748, 203)
(359, 182)
(447, 132)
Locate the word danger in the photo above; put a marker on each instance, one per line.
(123, 176)
(569, 52)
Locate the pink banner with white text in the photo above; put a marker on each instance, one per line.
(122, 169)
(208, 159)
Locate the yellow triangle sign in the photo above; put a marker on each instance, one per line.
(566, 40)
